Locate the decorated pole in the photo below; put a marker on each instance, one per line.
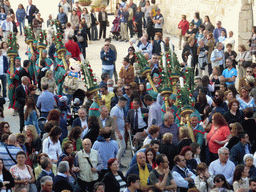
(29, 37)
(12, 52)
(42, 44)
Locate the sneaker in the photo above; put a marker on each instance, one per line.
(6, 99)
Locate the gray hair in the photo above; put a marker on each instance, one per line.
(63, 167)
(222, 149)
(101, 108)
(44, 179)
(219, 43)
(248, 156)
(167, 116)
(110, 82)
(23, 78)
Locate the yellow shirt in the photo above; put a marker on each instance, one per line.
(144, 174)
(107, 99)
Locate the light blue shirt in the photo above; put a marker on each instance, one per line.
(229, 73)
(148, 49)
(217, 54)
(179, 180)
(118, 112)
(227, 170)
(46, 101)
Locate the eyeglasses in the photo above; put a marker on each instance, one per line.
(126, 89)
(107, 45)
(6, 126)
(225, 154)
(217, 181)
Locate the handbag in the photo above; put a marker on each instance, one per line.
(33, 156)
(246, 64)
(79, 38)
(17, 24)
(32, 186)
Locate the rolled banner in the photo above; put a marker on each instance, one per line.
(189, 61)
(181, 82)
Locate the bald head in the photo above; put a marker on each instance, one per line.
(141, 158)
(12, 139)
(87, 144)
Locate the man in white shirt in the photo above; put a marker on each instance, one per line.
(230, 40)
(7, 27)
(145, 47)
(81, 121)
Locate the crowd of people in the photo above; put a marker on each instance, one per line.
(211, 149)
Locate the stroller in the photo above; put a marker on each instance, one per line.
(115, 30)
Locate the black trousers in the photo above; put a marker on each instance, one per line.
(103, 28)
(130, 26)
(159, 30)
(88, 33)
(86, 185)
(139, 28)
(151, 33)
(21, 116)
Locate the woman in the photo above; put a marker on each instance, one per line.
(89, 101)
(68, 31)
(249, 122)
(5, 48)
(143, 92)
(49, 79)
(183, 26)
(2, 15)
(210, 44)
(230, 54)
(248, 161)
(242, 56)
(30, 115)
(21, 15)
(150, 26)
(228, 96)
(201, 103)
(51, 145)
(196, 21)
(32, 93)
(4, 128)
(131, 55)
(240, 178)
(68, 149)
(221, 184)
(38, 168)
(185, 139)
(234, 114)
(245, 100)
(82, 33)
(153, 133)
(204, 181)
(218, 136)
(114, 180)
(22, 173)
(191, 32)
(74, 137)
(139, 20)
(147, 10)
(6, 180)
(253, 41)
(94, 129)
(88, 20)
(218, 106)
(236, 129)
(196, 150)
(74, 21)
(191, 164)
(94, 31)
(208, 25)
(200, 33)
(215, 79)
(157, 44)
(151, 157)
(55, 115)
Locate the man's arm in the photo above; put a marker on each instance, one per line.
(179, 180)
(100, 163)
(172, 186)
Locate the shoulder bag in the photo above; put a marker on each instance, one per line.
(246, 64)
(14, 160)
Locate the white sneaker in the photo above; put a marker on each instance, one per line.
(6, 99)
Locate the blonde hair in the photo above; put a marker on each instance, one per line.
(167, 138)
(184, 132)
(33, 131)
(48, 72)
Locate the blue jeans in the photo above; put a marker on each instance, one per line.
(3, 79)
(110, 72)
(22, 27)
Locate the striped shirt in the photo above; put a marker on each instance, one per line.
(121, 182)
(8, 162)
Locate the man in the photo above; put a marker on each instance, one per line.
(230, 39)
(46, 101)
(141, 168)
(247, 80)
(20, 96)
(46, 184)
(62, 17)
(24, 71)
(252, 184)
(7, 27)
(46, 165)
(99, 187)
(108, 58)
(95, 106)
(106, 122)
(110, 85)
(7, 7)
(158, 21)
(127, 95)
(106, 148)
(104, 79)
(106, 96)
(133, 183)
(13, 82)
(117, 113)
(145, 47)
(130, 19)
(81, 121)
(3, 71)
(103, 19)
(127, 72)
(154, 65)
(218, 57)
(37, 25)
(61, 180)
(183, 177)
(198, 130)
(133, 6)
(120, 84)
(89, 162)
(161, 176)
(223, 165)
(217, 32)
(240, 149)
(169, 126)
(124, 24)
(8, 152)
(31, 11)
(66, 7)
(172, 108)
(73, 48)
(229, 74)
(118, 93)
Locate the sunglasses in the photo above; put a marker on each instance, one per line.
(107, 45)
(127, 89)
(249, 71)
(217, 180)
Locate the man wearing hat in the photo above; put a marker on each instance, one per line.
(198, 130)
(158, 21)
(33, 59)
(13, 82)
(173, 109)
(95, 106)
(150, 90)
(248, 79)
(48, 62)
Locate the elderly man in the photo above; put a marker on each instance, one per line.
(230, 39)
(124, 23)
(223, 165)
(89, 162)
(218, 57)
(7, 27)
(161, 177)
(183, 177)
(106, 122)
(61, 180)
(106, 96)
(229, 74)
(141, 168)
(145, 47)
(168, 126)
(46, 184)
(217, 32)
(81, 121)
(110, 85)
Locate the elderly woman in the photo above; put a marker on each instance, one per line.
(218, 57)
(248, 161)
(153, 134)
(242, 57)
(240, 178)
(48, 79)
(245, 99)
(204, 181)
(190, 162)
(68, 149)
(234, 114)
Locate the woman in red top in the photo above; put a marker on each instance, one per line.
(151, 157)
(218, 136)
(184, 26)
